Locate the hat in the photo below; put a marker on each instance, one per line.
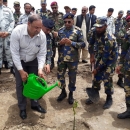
(127, 18)
(74, 9)
(68, 16)
(48, 23)
(128, 11)
(110, 10)
(4, 0)
(43, 1)
(100, 22)
(66, 7)
(121, 12)
(54, 4)
(16, 3)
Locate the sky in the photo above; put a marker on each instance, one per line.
(101, 5)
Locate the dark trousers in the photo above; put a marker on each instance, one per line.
(29, 67)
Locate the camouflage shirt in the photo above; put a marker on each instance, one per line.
(125, 53)
(118, 25)
(67, 52)
(58, 19)
(6, 19)
(16, 17)
(43, 14)
(105, 47)
(49, 49)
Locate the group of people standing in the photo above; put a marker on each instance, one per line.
(29, 41)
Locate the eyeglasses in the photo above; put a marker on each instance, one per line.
(67, 22)
(54, 7)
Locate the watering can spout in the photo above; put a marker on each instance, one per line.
(53, 86)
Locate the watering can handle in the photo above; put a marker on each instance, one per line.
(42, 81)
(92, 70)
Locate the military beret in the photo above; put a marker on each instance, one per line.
(110, 10)
(54, 4)
(48, 23)
(68, 16)
(5, 0)
(100, 22)
(43, 1)
(127, 18)
(16, 3)
(128, 11)
(121, 12)
(66, 7)
(74, 9)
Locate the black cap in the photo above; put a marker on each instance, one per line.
(5, 0)
(74, 9)
(110, 10)
(48, 23)
(68, 16)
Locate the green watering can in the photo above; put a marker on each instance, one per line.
(36, 87)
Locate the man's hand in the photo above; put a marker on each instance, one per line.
(1, 34)
(62, 42)
(68, 41)
(24, 75)
(92, 59)
(94, 72)
(118, 69)
(55, 34)
(5, 34)
(47, 68)
(41, 74)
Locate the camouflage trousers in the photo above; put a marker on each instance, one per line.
(72, 71)
(127, 81)
(5, 48)
(105, 75)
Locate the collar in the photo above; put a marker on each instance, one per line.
(17, 14)
(69, 29)
(42, 10)
(26, 32)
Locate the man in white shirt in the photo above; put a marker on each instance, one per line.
(110, 22)
(28, 49)
(24, 18)
(82, 21)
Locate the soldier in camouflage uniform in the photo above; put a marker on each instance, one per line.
(105, 59)
(6, 27)
(47, 27)
(124, 18)
(57, 17)
(110, 22)
(43, 12)
(119, 25)
(125, 65)
(17, 12)
(70, 40)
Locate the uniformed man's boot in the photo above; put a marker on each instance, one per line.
(108, 102)
(88, 101)
(6, 64)
(62, 96)
(12, 71)
(120, 82)
(70, 98)
(125, 114)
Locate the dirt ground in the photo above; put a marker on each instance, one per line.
(59, 116)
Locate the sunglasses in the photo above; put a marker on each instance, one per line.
(67, 22)
(128, 21)
(54, 7)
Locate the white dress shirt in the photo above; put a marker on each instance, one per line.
(25, 48)
(111, 25)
